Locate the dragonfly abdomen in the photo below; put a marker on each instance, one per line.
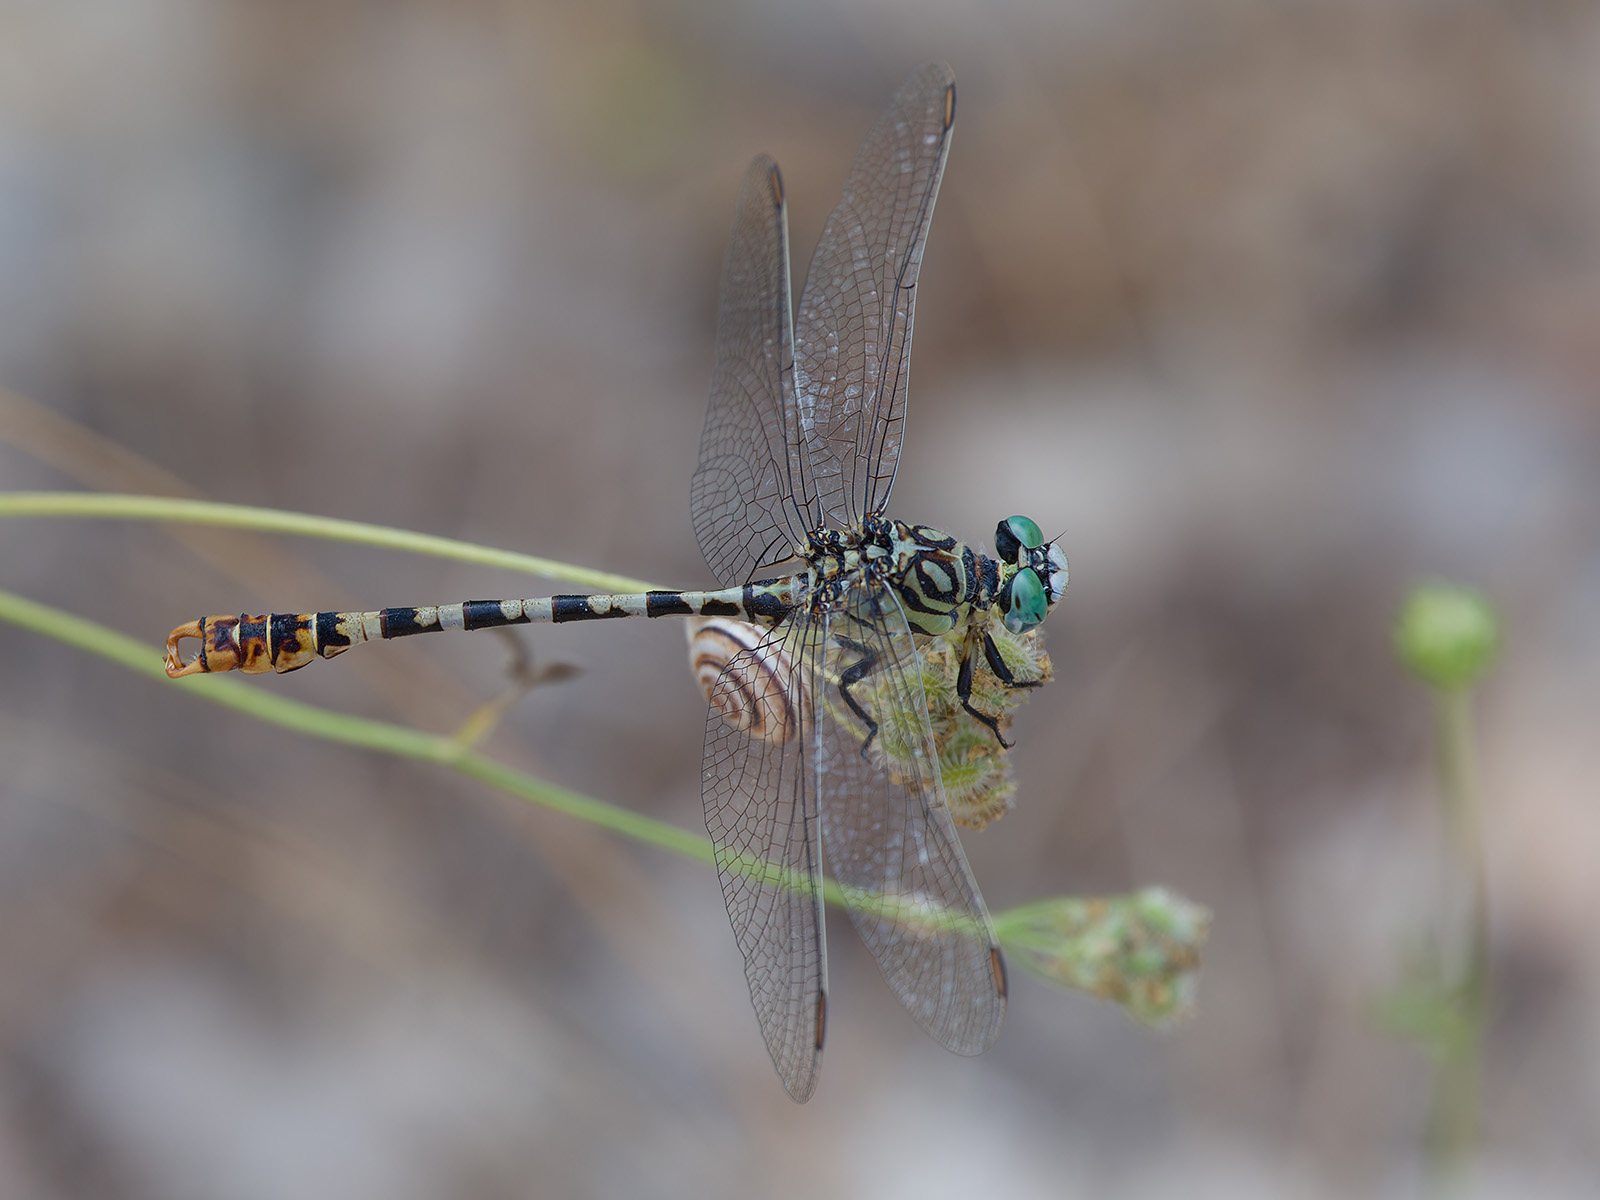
(284, 642)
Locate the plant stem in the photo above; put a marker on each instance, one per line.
(1454, 1124)
(110, 506)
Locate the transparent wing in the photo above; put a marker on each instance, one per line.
(853, 333)
(889, 838)
(740, 499)
(761, 812)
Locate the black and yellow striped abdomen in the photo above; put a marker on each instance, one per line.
(287, 641)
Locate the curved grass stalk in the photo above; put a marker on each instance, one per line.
(112, 506)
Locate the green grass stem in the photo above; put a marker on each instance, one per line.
(115, 507)
(1453, 1131)
(1448, 636)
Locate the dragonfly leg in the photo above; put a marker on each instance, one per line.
(853, 674)
(964, 686)
(997, 665)
(991, 652)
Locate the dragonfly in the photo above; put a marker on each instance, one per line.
(837, 759)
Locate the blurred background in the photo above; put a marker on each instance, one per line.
(1274, 309)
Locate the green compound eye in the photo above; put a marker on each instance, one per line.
(1016, 533)
(1027, 607)
(1027, 532)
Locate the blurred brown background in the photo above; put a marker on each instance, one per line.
(1273, 308)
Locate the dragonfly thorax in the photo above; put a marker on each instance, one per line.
(941, 582)
(938, 580)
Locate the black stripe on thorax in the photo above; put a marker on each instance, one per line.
(932, 539)
(991, 578)
(912, 599)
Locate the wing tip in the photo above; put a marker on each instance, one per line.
(802, 1082)
(764, 174)
(937, 72)
(985, 1020)
(802, 1089)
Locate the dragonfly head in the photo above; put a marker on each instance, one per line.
(1033, 573)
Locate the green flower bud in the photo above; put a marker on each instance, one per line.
(1446, 636)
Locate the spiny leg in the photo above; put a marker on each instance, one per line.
(853, 674)
(991, 654)
(998, 665)
(964, 694)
